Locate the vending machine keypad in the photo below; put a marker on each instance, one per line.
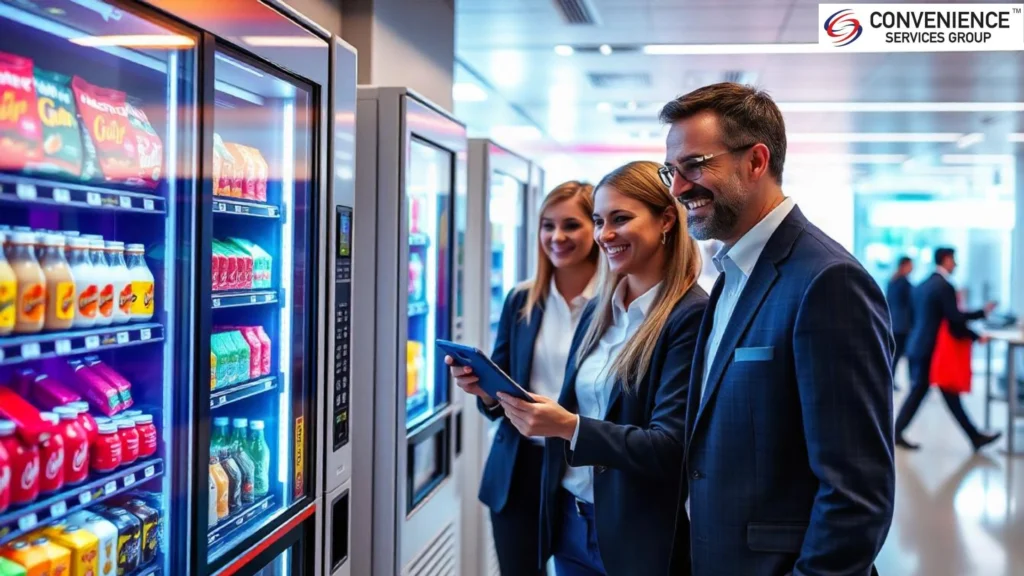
(342, 324)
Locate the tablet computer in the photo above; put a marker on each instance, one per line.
(492, 378)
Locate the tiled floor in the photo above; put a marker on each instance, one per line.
(957, 513)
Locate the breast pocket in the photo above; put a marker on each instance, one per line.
(754, 354)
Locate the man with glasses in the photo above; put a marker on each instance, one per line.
(789, 459)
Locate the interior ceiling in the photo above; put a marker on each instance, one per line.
(589, 98)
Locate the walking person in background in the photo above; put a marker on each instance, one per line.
(935, 301)
(901, 311)
(532, 346)
(615, 436)
(789, 454)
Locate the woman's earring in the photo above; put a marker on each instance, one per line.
(664, 236)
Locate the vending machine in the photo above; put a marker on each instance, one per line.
(163, 208)
(535, 193)
(497, 241)
(410, 195)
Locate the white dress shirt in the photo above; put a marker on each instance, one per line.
(551, 348)
(594, 380)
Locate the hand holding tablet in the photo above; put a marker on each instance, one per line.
(489, 378)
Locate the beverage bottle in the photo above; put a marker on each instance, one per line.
(8, 292)
(129, 539)
(24, 465)
(106, 534)
(212, 517)
(148, 438)
(234, 480)
(76, 445)
(105, 451)
(129, 440)
(150, 521)
(31, 292)
(87, 292)
(219, 438)
(221, 484)
(83, 545)
(59, 556)
(60, 285)
(142, 283)
(51, 456)
(86, 420)
(104, 281)
(118, 270)
(260, 453)
(240, 453)
(5, 475)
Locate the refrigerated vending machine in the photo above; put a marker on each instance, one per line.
(163, 203)
(497, 240)
(410, 193)
(535, 193)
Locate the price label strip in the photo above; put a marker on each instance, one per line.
(149, 471)
(30, 350)
(124, 201)
(147, 204)
(145, 334)
(129, 480)
(93, 199)
(122, 338)
(59, 509)
(92, 342)
(110, 487)
(28, 522)
(62, 347)
(62, 195)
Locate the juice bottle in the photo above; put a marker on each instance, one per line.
(104, 282)
(129, 539)
(60, 557)
(51, 455)
(86, 420)
(106, 535)
(219, 438)
(234, 480)
(105, 451)
(87, 292)
(76, 445)
(129, 440)
(24, 458)
(35, 562)
(60, 285)
(83, 545)
(9, 568)
(142, 283)
(8, 292)
(122, 283)
(220, 485)
(237, 446)
(259, 451)
(31, 291)
(148, 437)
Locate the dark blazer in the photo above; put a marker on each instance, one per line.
(636, 451)
(935, 301)
(790, 458)
(898, 295)
(513, 353)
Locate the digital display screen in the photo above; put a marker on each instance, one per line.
(344, 232)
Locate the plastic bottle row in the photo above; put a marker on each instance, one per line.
(239, 466)
(101, 541)
(61, 280)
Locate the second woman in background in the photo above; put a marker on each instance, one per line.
(613, 459)
(532, 346)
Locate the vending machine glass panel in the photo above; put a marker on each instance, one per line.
(506, 219)
(430, 278)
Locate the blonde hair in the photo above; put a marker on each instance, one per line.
(640, 181)
(541, 283)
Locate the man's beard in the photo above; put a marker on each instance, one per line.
(725, 213)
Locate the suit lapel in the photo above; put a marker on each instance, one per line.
(528, 344)
(697, 365)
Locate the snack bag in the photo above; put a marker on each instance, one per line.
(110, 145)
(62, 136)
(148, 146)
(245, 171)
(262, 173)
(21, 134)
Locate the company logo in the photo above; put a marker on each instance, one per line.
(843, 28)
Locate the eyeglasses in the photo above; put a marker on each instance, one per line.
(693, 169)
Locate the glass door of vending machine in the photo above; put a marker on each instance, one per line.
(259, 340)
(97, 122)
(411, 179)
(506, 216)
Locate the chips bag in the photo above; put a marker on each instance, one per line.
(21, 135)
(62, 137)
(148, 146)
(109, 139)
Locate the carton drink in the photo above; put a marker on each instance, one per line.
(106, 536)
(247, 367)
(84, 547)
(60, 557)
(215, 268)
(24, 415)
(100, 394)
(220, 362)
(9, 568)
(261, 261)
(48, 393)
(244, 267)
(244, 160)
(255, 352)
(123, 386)
(266, 351)
(129, 539)
(150, 520)
(35, 562)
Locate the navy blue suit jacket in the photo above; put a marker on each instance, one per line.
(513, 353)
(935, 301)
(898, 295)
(636, 451)
(790, 458)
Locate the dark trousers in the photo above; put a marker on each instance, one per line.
(517, 527)
(919, 384)
(576, 552)
(901, 347)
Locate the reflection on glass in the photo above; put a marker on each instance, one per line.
(260, 261)
(279, 566)
(89, 128)
(506, 216)
(429, 197)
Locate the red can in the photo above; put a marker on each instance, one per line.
(6, 426)
(51, 455)
(87, 422)
(129, 440)
(105, 452)
(24, 465)
(147, 435)
(76, 446)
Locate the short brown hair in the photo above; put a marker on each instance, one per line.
(747, 116)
